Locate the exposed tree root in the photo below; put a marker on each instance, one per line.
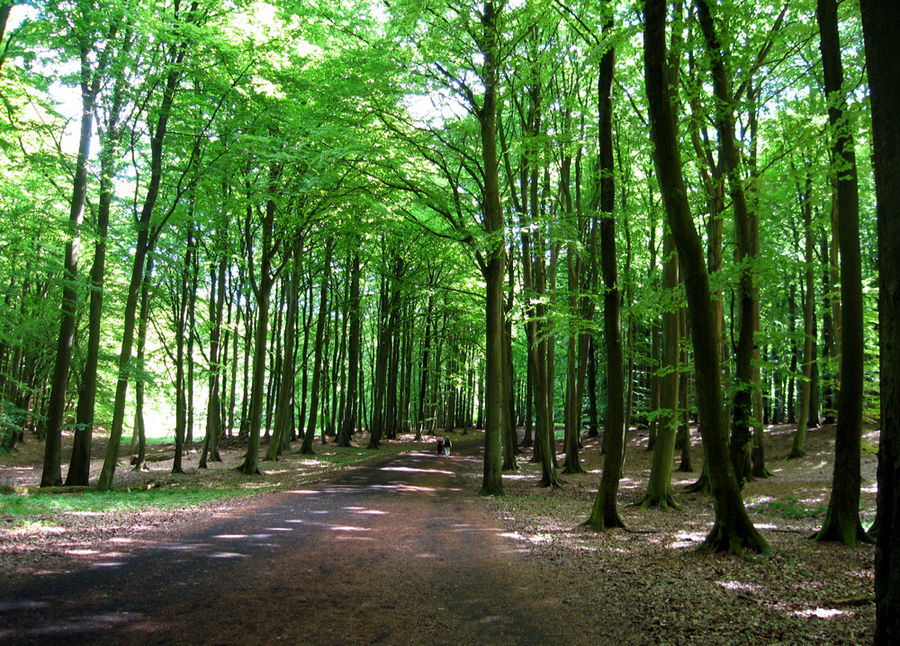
(603, 520)
(736, 541)
(664, 501)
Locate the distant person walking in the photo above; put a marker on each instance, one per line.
(440, 446)
(447, 446)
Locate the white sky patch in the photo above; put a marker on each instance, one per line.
(434, 109)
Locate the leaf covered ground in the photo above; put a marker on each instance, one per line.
(644, 584)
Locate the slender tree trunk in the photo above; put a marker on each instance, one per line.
(659, 486)
(842, 518)
(142, 248)
(798, 448)
(306, 447)
(353, 346)
(79, 466)
(139, 434)
(90, 85)
(285, 408)
(741, 433)
(214, 417)
(605, 513)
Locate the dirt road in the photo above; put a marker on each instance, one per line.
(397, 552)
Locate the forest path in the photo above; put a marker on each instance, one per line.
(398, 551)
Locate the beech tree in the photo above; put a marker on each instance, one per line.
(880, 22)
(842, 518)
(733, 531)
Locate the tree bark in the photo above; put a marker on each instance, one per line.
(306, 447)
(90, 85)
(348, 425)
(604, 513)
(659, 486)
(881, 24)
(493, 265)
(733, 531)
(842, 518)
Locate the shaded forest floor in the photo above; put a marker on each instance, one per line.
(647, 579)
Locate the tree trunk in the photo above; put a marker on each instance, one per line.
(306, 447)
(285, 407)
(139, 434)
(80, 463)
(798, 448)
(605, 512)
(733, 531)
(842, 518)
(881, 23)
(741, 433)
(214, 417)
(142, 248)
(348, 424)
(90, 85)
(659, 486)
(492, 267)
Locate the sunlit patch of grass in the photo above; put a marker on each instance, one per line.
(791, 507)
(39, 503)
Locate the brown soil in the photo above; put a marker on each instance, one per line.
(401, 551)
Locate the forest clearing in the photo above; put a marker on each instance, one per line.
(644, 584)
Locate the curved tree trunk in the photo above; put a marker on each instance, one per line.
(733, 531)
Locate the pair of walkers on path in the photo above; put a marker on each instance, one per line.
(444, 445)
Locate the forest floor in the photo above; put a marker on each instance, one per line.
(553, 581)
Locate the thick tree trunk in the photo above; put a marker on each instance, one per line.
(733, 531)
(842, 518)
(881, 24)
